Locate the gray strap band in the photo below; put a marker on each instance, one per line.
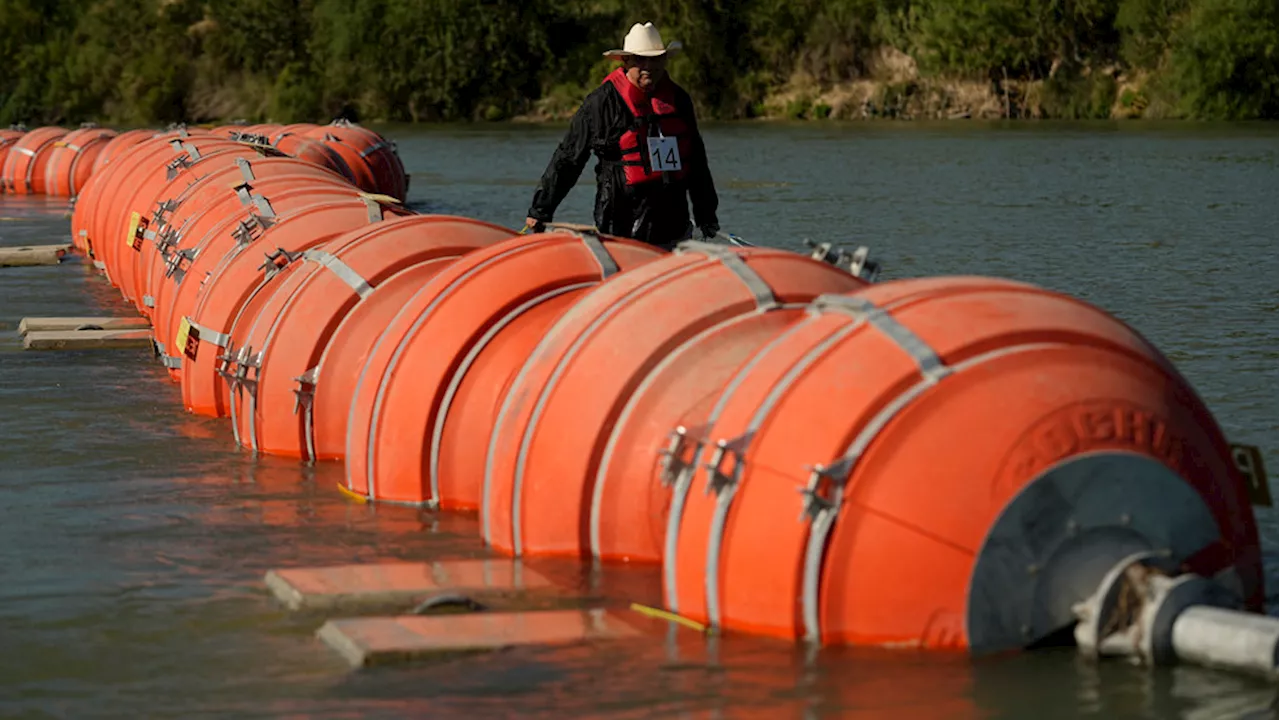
(344, 271)
(731, 259)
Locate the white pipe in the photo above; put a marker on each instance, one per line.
(1218, 637)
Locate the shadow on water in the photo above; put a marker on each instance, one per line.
(134, 537)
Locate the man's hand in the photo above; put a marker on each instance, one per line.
(533, 225)
(709, 231)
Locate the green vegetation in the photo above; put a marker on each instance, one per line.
(150, 61)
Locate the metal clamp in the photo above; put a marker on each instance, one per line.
(673, 464)
(859, 262)
(717, 478)
(173, 263)
(277, 261)
(823, 479)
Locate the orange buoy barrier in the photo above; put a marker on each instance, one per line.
(182, 219)
(23, 172)
(140, 177)
(99, 199)
(427, 396)
(292, 129)
(152, 187)
(71, 161)
(8, 137)
(960, 446)
(313, 151)
(266, 129)
(552, 428)
(117, 145)
(202, 334)
(371, 157)
(346, 353)
(231, 223)
(284, 339)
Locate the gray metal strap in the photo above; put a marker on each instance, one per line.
(148, 301)
(25, 151)
(173, 363)
(192, 151)
(74, 148)
(242, 192)
(210, 335)
(608, 266)
(264, 207)
(373, 148)
(246, 170)
(863, 309)
(374, 207)
(344, 271)
(99, 265)
(731, 259)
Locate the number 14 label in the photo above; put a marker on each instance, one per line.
(664, 154)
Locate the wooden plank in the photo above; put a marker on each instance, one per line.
(87, 340)
(389, 583)
(33, 255)
(47, 324)
(364, 642)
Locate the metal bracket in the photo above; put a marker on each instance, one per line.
(277, 261)
(173, 263)
(859, 262)
(717, 478)
(823, 479)
(306, 390)
(673, 463)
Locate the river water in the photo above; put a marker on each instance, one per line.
(134, 538)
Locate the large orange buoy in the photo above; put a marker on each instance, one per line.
(947, 463)
(71, 161)
(552, 428)
(8, 137)
(425, 404)
(152, 188)
(224, 188)
(202, 331)
(372, 158)
(287, 335)
(293, 129)
(23, 172)
(227, 226)
(329, 403)
(102, 197)
(121, 226)
(89, 198)
(314, 151)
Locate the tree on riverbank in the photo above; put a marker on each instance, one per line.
(149, 61)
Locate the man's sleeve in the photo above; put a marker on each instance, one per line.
(702, 189)
(566, 164)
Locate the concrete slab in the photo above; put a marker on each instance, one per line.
(87, 340)
(365, 642)
(49, 324)
(33, 255)
(389, 583)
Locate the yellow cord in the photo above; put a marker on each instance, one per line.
(351, 494)
(665, 615)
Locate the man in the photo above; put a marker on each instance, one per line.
(641, 126)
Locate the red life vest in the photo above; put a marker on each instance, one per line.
(655, 114)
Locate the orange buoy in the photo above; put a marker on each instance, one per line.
(202, 331)
(938, 463)
(425, 403)
(314, 151)
(224, 188)
(227, 131)
(88, 199)
(118, 145)
(293, 129)
(140, 182)
(233, 221)
(266, 129)
(347, 352)
(72, 158)
(553, 425)
(149, 201)
(23, 172)
(8, 137)
(102, 198)
(285, 338)
(372, 158)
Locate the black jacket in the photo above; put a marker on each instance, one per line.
(656, 212)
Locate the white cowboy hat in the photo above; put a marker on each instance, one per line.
(645, 41)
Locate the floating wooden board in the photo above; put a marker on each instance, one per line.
(388, 583)
(33, 255)
(87, 339)
(48, 324)
(378, 641)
